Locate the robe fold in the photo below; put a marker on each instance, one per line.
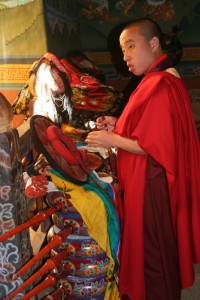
(158, 115)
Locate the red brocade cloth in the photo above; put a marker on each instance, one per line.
(88, 93)
(159, 116)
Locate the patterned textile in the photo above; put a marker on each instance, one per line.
(63, 15)
(48, 89)
(15, 251)
(21, 104)
(89, 93)
(58, 90)
(101, 219)
(85, 65)
(13, 3)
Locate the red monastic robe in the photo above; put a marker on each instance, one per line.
(159, 116)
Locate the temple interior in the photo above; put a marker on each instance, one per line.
(61, 68)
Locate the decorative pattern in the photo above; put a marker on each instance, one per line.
(191, 54)
(13, 3)
(14, 73)
(195, 94)
(65, 15)
(17, 250)
(84, 288)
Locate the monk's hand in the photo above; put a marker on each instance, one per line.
(106, 123)
(100, 138)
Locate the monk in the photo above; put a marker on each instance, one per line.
(158, 165)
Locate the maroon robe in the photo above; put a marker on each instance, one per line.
(159, 116)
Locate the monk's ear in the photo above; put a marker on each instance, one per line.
(155, 43)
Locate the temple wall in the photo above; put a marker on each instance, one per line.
(32, 27)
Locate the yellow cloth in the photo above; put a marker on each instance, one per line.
(93, 212)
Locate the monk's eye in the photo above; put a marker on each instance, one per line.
(131, 46)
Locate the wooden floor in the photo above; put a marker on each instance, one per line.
(193, 293)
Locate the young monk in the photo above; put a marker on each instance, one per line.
(158, 163)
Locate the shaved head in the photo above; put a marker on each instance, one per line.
(147, 28)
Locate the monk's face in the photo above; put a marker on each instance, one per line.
(139, 52)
